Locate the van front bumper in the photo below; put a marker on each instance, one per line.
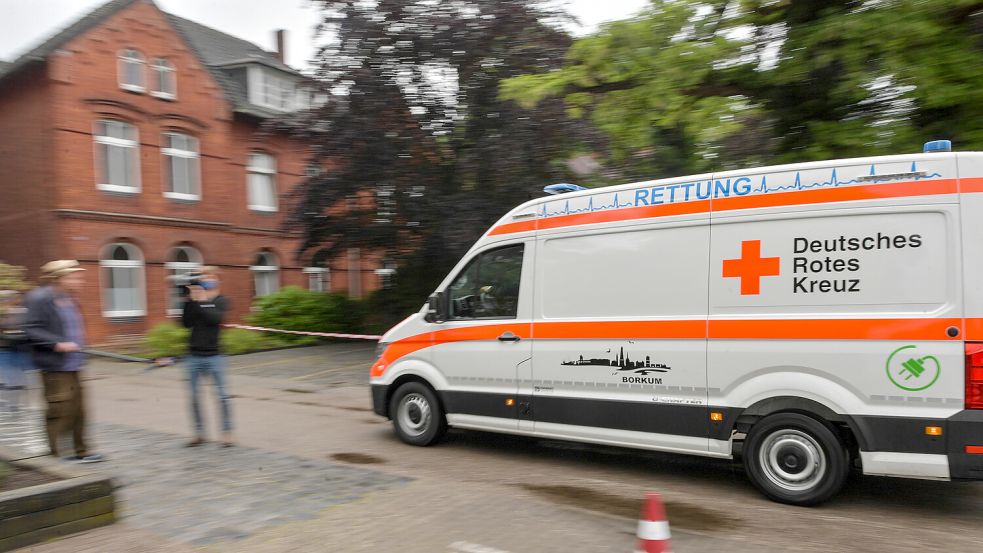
(379, 404)
(965, 433)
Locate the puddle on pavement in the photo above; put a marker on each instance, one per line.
(681, 515)
(346, 408)
(298, 390)
(357, 458)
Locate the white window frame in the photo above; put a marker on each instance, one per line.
(323, 275)
(273, 267)
(120, 143)
(163, 65)
(136, 264)
(125, 58)
(186, 154)
(171, 267)
(271, 173)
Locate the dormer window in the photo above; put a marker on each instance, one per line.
(274, 90)
(164, 79)
(131, 66)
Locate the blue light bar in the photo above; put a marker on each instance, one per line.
(562, 188)
(937, 146)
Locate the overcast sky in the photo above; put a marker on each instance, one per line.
(26, 23)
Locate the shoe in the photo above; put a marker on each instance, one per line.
(91, 458)
(195, 442)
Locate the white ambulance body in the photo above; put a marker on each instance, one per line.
(822, 314)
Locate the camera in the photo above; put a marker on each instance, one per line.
(182, 281)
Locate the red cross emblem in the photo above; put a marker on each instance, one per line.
(751, 267)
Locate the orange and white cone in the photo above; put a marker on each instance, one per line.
(653, 527)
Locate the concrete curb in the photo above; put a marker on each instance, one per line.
(78, 501)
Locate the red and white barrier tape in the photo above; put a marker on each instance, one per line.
(302, 333)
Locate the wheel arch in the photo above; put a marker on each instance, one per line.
(844, 424)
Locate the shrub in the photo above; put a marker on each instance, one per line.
(168, 340)
(237, 340)
(294, 308)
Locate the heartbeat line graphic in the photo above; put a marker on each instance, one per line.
(763, 188)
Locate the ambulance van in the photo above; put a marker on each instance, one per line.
(813, 318)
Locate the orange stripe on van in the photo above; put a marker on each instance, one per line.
(757, 329)
(834, 329)
(803, 197)
(969, 185)
(667, 330)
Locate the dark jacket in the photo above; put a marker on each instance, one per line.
(44, 328)
(11, 334)
(204, 319)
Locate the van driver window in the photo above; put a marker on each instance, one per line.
(488, 288)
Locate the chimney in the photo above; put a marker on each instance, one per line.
(281, 53)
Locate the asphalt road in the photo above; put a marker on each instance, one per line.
(474, 492)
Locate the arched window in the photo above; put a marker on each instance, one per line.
(117, 157)
(266, 274)
(181, 166)
(130, 70)
(319, 273)
(163, 79)
(182, 260)
(261, 181)
(122, 281)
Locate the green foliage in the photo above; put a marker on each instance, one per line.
(13, 277)
(171, 340)
(696, 85)
(168, 340)
(294, 308)
(236, 341)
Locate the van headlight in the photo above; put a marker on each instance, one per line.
(380, 348)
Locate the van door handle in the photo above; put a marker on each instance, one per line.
(508, 337)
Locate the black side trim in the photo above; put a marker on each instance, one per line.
(899, 434)
(379, 393)
(965, 428)
(659, 418)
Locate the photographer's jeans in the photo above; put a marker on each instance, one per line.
(213, 366)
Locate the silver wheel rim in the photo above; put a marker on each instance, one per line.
(414, 414)
(792, 460)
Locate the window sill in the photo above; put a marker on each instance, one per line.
(263, 209)
(164, 96)
(117, 189)
(124, 316)
(183, 198)
(133, 88)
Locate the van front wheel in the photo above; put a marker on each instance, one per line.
(795, 459)
(417, 416)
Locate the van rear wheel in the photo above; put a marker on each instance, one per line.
(417, 416)
(795, 459)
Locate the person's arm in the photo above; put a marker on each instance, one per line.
(214, 316)
(35, 325)
(189, 315)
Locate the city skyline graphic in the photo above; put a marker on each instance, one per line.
(622, 362)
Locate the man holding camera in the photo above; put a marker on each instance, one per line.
(204, 311)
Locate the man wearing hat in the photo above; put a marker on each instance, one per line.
(55, 329)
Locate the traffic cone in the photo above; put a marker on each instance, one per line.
(653, 527)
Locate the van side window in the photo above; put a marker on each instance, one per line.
(488, 288)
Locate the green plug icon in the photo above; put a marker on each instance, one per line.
(913, 367)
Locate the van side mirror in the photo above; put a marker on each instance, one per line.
(435, 308)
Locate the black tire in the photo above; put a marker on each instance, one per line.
(795, 459)
(417, 416)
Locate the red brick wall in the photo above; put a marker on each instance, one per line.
(57, 107)
(27, 227)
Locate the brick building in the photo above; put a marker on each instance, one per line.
(133, 142)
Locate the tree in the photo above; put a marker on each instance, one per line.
(13, 277)
(691, 86)
(423, 153)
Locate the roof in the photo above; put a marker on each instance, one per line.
(214, 48)
(48, 47)
(218, 50)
